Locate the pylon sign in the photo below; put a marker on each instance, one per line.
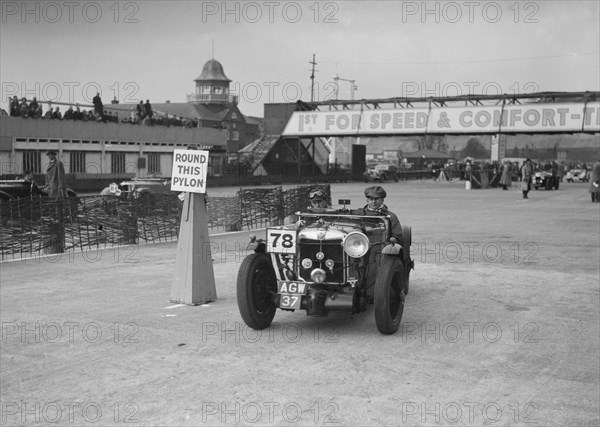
(194, 278)
(190, 168)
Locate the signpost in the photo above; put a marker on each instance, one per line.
(194, 278)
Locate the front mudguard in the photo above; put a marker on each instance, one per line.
(259, 246)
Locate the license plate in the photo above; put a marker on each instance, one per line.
(291, 294)
(288, 287)
(290, 301)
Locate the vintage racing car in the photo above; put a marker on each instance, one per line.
(578, 175)
(19, 188)
(138, 188)
(382, 173)
(545, 179)
(334, 260)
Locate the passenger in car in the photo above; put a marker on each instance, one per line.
(375, 197)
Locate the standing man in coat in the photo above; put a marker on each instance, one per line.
(595, 183)
(98, 107)
(505, 180)
(55, 177)
(526, 176)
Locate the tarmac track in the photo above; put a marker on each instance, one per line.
(501, 327)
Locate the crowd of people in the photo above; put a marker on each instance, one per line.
(144, 114)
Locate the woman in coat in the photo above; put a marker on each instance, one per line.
(505, 180)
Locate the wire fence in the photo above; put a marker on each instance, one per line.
(36, 226)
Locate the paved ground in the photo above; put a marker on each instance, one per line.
(501, 327)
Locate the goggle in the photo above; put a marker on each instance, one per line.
(316, 193)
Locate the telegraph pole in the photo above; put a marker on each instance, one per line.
(312, 79)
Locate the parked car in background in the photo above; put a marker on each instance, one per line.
(578, 175)
(138, 188)
(18, 188)
(382, 173)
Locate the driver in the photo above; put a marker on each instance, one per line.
(375, 196)
(318, 201)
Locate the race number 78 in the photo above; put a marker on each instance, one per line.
(281, 241)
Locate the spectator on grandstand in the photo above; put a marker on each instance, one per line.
(38, 112)
(14, 107)
(148, 109)
(48, 114)
(140, 112)
(98, 107)
(33, 106)
(24, 108)
(69, 114)
(77, 114)
(57, 114)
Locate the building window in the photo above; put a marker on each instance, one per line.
(32, 161)
(154, 163)
(117, 162)
(77, 163)
(233, 116)
(235, 135)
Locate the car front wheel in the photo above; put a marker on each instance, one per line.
(256, 286)
(389, 295)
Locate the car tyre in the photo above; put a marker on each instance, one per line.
(382, 178)
(256, 285)
(389, 295)
(406, 242)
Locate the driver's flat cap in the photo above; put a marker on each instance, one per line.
(375, 191)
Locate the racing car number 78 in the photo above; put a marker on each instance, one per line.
(281, 241)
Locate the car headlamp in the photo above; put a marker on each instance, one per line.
(318, 275)
(356, 244)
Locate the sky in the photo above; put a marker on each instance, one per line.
(68, 50)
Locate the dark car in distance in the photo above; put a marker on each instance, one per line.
(19, 188)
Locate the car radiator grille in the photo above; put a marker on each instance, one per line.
(332, 249)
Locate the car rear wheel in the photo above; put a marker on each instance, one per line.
(389, 295)
(382, 178)
(406, 242)
(256, 285)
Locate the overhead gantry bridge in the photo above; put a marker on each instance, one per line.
(542, 112)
